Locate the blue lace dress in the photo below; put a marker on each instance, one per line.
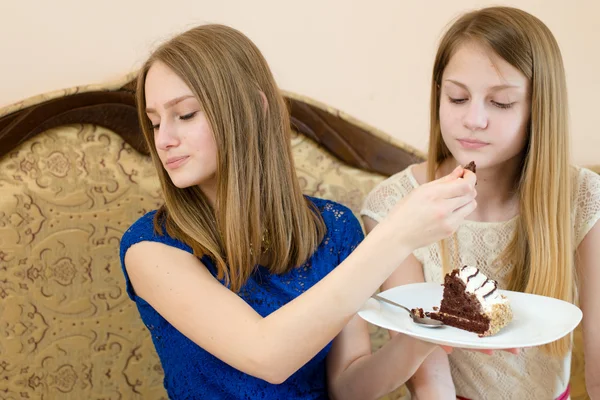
(193, 373)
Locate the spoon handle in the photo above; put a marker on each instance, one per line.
(377, 297)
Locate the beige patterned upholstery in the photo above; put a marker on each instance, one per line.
(67, 328)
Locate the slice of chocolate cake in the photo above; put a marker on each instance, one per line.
(472, 302)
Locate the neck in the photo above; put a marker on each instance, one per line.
(209, 188)
(497, 195)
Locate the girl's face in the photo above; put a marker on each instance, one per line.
(484, 107)
(182, 135)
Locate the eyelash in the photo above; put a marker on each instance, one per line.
(185, 117)
(503, 106)
(188, 116)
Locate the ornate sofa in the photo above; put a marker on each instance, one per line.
(74, 174)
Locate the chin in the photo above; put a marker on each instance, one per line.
(463, 157)
(183, 182)
(481, 161)
(180, 185)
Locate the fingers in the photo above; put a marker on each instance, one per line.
(457, 173)
(451, 185)
(443, 189)
(461, 213)
(457, 203)
(457, 188)
(447, 349)
(470, 177)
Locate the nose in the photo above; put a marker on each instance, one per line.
(476, 116)
(165, 137)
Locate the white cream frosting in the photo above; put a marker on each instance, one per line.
(479, 285)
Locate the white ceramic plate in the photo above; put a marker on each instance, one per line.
(536, 319)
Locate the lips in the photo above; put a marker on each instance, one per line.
(175, 162)
(472, 143)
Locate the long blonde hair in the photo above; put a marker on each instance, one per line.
(541, 252)
(259, 199)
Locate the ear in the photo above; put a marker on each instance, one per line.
(264, 100)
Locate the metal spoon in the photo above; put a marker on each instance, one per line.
(422, 321)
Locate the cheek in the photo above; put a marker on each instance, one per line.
(448, 119)
(514, 130)
(205, 146)
(211, 149)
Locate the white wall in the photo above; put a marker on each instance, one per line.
(371, 59)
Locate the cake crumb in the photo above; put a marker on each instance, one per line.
(418, 312)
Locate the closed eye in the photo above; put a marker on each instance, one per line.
(188, 116)
(456, 101)
(502, 105)
(185, 117)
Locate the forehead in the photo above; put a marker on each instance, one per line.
(476, 65)
(163, 84)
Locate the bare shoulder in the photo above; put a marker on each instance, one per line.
(146, 251)
(152, 264)
(419, 172)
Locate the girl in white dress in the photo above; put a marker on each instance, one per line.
(499, 98)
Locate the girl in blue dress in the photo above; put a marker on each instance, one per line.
(249, 288)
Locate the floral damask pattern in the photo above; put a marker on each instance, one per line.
(67, 328)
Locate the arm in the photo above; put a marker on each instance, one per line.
(432, 380)
(178, 286)
(354, 373)
(588, 260)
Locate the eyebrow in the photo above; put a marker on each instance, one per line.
(170, 103)
(495, 88)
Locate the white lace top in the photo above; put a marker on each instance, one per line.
(532, 374)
